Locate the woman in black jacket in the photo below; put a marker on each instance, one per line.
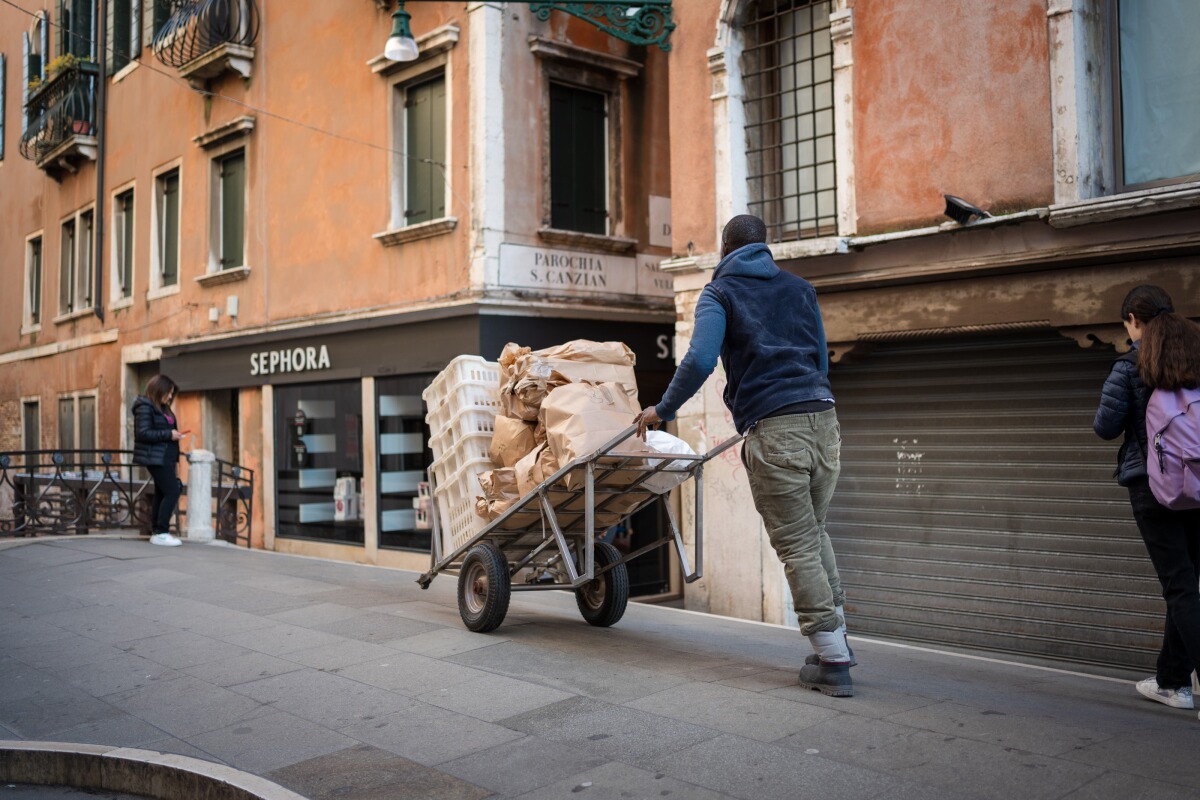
(1166, 355)
(156, 438)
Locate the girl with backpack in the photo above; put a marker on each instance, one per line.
(156, 438)
(1166, 356)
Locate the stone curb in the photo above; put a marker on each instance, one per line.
(125, 769)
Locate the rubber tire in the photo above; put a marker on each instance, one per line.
(484, 588)
(602, 601)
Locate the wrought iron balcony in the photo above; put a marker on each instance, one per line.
(204, 38)
(60, 113)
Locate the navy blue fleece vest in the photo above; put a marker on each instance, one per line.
(772, 349)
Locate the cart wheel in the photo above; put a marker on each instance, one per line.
(484, 587)
(602, 601)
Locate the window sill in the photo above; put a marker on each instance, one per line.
(1159, 200)
(422, 230)
(119, 303)
(162, 291)
(587, 241)
(224, 276)
(124, 72)
(27, 330)
(73, 315)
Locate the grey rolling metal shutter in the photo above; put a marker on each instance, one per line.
(977, 508)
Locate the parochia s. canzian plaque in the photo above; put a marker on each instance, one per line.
(562, 271)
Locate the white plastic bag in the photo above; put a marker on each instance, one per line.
(675, 472)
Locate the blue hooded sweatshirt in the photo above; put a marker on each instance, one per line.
(765, 325)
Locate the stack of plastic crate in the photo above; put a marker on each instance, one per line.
(463, 402)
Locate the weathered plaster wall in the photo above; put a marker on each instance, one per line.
(950, 98)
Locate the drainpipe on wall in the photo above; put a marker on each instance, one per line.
(101, 108)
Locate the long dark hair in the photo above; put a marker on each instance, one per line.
(158, 389)
(1169, 353)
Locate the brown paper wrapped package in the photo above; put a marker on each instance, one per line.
(528, 376)
(512, 439)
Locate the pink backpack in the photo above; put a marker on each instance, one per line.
(1173, 447)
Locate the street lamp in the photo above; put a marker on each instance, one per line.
(639, 22)
(400, 45)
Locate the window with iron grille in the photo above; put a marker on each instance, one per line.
(788, 72)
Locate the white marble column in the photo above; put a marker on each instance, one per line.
(199, 495)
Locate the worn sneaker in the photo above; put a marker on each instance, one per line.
(830, 679)
(166, 540)
(1175, 698)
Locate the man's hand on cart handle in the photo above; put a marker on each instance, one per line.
(649, 416)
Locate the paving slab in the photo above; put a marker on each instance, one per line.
(347, 681)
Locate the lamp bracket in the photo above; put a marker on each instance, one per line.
(638, 22)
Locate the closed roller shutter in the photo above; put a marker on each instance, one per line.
(977, 508)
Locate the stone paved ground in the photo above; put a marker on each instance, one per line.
(349, 682)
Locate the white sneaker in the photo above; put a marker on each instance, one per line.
(1175, 698)
(167, 540)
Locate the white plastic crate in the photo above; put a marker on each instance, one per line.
(472, 448)
(464, 369)
(455, 495)
(483, 398)
(467, 425)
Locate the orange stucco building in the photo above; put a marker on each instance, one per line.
(267, 209)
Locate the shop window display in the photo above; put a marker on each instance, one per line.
(404, 457)
(318, 450)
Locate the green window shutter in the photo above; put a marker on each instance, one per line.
(35, 281)
(87, 423)
(125, 242)
(3, 85)
(169, 229)
(118, 27)
(66, 270)
(233, 210)
(425, 141)
(66, 423)
(43, 57)
(85, 270)
(62, 15)
(578, 160)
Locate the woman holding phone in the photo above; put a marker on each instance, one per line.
(156, 438)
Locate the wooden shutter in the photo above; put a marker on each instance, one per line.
(35, 281)
(124, 234)
(169, 228)
(87, 423)
(66, 423)
(62, 13)
(425, 123)
(25, 78)
(66, 271)
(233, 209)
(32, 425)
(3, 85)
(44, 56)
(135, 28)
(85, 268)
(578, 160)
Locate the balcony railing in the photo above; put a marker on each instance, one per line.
(60, 118)
(203, 38)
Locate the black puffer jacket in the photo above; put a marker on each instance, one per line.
(1123, 410)
(152, 442)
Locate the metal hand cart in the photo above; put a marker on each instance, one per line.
(547, 539)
